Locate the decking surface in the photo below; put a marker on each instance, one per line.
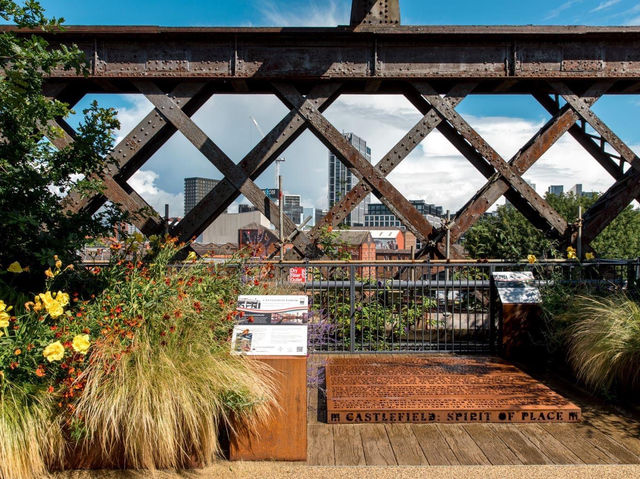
(604, 436)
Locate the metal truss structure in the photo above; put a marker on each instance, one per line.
(566, 69)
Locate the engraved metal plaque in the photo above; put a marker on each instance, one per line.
(439, 389)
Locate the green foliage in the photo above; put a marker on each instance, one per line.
(35, 174)
(510, 236)
(330, 244)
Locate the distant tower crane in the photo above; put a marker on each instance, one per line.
(279, 159)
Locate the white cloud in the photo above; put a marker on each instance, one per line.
(130, 116)
(561, 8)
(604, 5)
(144, 182)
(311, 13)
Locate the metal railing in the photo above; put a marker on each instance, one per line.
(430, 306)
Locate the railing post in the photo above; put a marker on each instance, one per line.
(492, 312)
(352, 308)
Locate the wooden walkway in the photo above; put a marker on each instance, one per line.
(603, 437)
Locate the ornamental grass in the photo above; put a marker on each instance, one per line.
(138, 374)
(31, 439)
(604, 342)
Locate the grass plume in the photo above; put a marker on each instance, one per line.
(31, 439)
(604, 342)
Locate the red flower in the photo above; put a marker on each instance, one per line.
(250, 319)
(50, 389)
(197, 306)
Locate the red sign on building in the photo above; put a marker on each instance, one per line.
(297, 275)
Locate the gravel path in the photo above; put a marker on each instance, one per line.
(268, 470)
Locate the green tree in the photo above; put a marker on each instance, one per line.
(35, 175)
(508, 235)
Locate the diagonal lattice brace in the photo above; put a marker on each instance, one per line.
(171, 111)
(143, 216)
(562, 120)
(151, 133)
(253, 164)
(585, 112)
(609, 205)
(627, 186)
(392, 159)
(617, 197)
(353, 159)
(595, 148)
(508, 174)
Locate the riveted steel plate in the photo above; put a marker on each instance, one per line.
(439, 389)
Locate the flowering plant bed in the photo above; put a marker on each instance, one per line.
(137, 375)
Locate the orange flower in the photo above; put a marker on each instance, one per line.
(18, 352)
(40, 372)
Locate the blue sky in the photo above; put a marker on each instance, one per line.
(416, 12)
(435, 171)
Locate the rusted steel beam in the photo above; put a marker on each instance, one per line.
(508, 175)
(142, 142)
(172, 112)
(253, 164)
(595, 149)
(540, 143)
(376, 12)
(399, 152)
(583, 109)
(436, 244)
(608, 206)
(353, 159)
(143, 216)
(394, 52)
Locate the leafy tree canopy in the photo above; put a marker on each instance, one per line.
(508, 235)
(34, 174)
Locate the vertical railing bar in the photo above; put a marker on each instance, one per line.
(352, 310)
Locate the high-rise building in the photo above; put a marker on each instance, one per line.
(379, 214)
(341, 180)
(556, 190)
(576, 189)
(195, 189)
(293, 209)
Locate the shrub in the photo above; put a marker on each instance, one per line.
(161, 380)
(604, 342)
(139, 375)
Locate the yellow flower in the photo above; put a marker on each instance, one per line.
(192, 256)
(15, 268)
(4, 320)
(81, 343)
(58, 264)
(571, 252)
(3, 306)
(54, 352)
(589, 256)
(62, 298)
(46, 299)
(531, 258)
(55, 310)
(55, 306)
(1, 334)
(48, 273)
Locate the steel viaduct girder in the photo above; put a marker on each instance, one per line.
(179, 69)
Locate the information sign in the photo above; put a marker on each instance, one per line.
(265, 309)
(268, 340)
